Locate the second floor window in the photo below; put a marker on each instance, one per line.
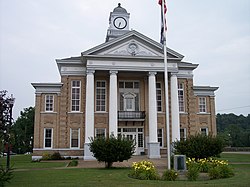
(101, 96)
(181, 97)
(75, 95)
(49, 102)
(202, 105)
(158, 96)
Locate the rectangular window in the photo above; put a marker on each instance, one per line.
(101, 96)
(158, 97)
(181, 97)
(183, 134)
(48, 138)
(202, 105)
(100, 132)
(74, 138)
(75, 95)
(160, 136)
(49, 102)
(204, 131)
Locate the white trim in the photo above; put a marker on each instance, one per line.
(44, 130)
(40, 157)
(58, 149)
(48, 112)
(78, 147)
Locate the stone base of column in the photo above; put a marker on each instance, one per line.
(87, 154)
(154, 150)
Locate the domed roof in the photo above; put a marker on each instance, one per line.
(119, 9)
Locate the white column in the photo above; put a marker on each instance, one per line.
(175, 109)
(153, 145)
(89, 114)
(113, 103)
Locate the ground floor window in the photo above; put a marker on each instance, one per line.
(183, 134)
(204, 131)
(74, 138)
(48, 137)
(100, 132)
(160, 136)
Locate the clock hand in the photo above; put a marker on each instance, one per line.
(119, 24)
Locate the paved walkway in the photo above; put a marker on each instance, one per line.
(160, 163)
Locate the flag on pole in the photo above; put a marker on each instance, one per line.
(163, 3)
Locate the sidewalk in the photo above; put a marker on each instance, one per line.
(160, 164)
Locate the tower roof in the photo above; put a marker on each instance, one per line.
(119, 9)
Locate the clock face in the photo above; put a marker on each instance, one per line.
(120, 23)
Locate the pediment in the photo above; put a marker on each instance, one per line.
(130, 44)
(131, 48)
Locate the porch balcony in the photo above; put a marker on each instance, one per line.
(131, 115)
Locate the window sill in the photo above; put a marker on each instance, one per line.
(48, 112)
(203, 113)
(75, 112)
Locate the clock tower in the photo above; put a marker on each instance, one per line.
(118, 23)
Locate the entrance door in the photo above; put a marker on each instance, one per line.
(135, 134)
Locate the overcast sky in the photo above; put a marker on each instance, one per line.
(214, 34)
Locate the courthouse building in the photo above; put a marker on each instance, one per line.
(118, 88)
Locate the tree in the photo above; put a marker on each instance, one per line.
(112, 149)
(234, 129)
(23, 130)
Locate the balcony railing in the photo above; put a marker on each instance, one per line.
(131, 115)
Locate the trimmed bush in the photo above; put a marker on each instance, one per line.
(112, 149)
(199, 146)
(144, 170)
(46, 156)
(170, 175)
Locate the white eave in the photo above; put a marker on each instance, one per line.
(204, 90)
(51, 88)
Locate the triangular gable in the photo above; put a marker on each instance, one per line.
(132, 43)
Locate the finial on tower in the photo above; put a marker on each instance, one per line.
(119, 4)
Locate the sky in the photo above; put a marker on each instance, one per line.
(214, 34)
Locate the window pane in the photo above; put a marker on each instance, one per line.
(100, 96)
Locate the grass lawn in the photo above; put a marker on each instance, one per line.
(24, 162)
(117, 177)
(235, 157)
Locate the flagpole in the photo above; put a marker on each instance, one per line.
(166, 84)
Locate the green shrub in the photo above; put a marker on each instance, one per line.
(46, 156)
(144, 170)
(112, 149)
(5, 176)
(170, 175)
(220, 171)
(193, 172)
(199, 146)
(56, 156)
(73, 163)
